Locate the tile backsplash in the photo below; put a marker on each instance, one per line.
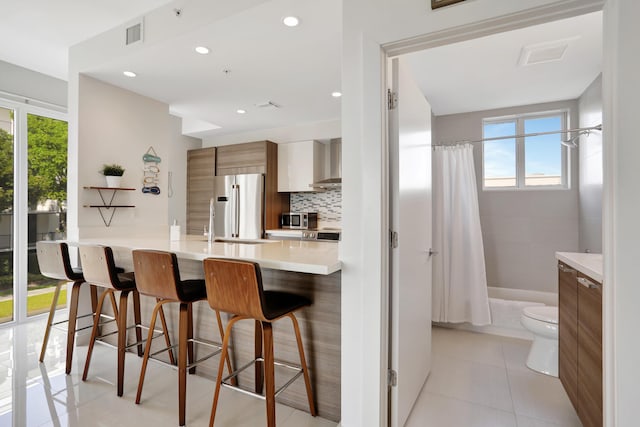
(328, 204)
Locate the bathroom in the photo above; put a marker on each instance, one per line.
(522, 229)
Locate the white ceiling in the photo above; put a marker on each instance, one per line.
(37, 34)
(297, 68)
(483, 74)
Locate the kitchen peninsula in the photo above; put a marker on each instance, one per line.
(311, 269)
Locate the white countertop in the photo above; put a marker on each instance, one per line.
(589, 264)
(285, 232)
(288, 255)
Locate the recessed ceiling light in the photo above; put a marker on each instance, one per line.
(291, 21)
(129, 73)
(241, 111)
(202, 50)
(336, 94)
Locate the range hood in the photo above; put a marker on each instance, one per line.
(333, 164)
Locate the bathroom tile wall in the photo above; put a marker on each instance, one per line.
(328, 204)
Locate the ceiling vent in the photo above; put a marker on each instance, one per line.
(134, 33)
(544, 52)
(268, 104)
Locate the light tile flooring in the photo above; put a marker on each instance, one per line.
(35, 394)
(476, 380)
(481, 380)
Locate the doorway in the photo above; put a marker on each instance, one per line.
(396, 50)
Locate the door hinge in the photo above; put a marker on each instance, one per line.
(392, 378)
(392, 99)
(393, 239)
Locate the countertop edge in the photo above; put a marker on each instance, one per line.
(589, 264)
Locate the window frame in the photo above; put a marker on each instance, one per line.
(519, 120)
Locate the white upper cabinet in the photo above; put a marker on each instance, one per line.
(300, 164)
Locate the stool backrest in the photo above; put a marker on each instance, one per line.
(98, 266)
(54, 262)
(234, 286)
(157, 273)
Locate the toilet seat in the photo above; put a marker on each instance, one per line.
(545, 314)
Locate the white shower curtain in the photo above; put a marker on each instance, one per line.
(459, 274)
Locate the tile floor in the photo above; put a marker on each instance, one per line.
(480, 380)
(35, 394)
(476, 380)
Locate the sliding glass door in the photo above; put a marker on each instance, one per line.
(7, 143)
(47, 196)
(33, 193)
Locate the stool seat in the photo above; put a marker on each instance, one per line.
(276, 303)
(192, 290)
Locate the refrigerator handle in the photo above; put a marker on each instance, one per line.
(236, 225)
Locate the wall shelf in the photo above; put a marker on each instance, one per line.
(108, 205)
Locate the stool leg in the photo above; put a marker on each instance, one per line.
(303, 363)
(94, 298)
(259, 379)
(234, 380)
(190, 338)
(52, 312)
(71, 326)
(122, 339)
(223, 356)
(94, 332)
(137, 318)
(165, 330)
(269, 374)
(182, 361)
(147, 349)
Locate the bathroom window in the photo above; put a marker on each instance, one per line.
(518, 162)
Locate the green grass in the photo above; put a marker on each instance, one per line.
(35, 304)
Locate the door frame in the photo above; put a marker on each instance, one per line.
(454, 35)
(20, 197)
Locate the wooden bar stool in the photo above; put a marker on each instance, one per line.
(158, 275)
(54, 263)
(235, 286)
(100, 270)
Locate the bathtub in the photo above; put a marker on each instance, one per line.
(506, 306)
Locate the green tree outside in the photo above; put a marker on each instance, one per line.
(6, 171)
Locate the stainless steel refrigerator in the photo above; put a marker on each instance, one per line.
(239, 206)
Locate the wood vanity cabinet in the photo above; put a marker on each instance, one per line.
(201, 168)
(580, 342)
(256, 157)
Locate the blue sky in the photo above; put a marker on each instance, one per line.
(543, 153)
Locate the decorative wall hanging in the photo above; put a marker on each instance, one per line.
(151, 172)
(440, 3)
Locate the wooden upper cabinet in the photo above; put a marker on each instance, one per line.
(201, 166)
(242, 158)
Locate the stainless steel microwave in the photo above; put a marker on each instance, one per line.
(299, 220)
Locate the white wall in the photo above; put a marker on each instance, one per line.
(177, 165)
(621, 91)
(521, 230)
(31, 84)
(303, 132)
(590, 153)
(118, 126)
(367, 24)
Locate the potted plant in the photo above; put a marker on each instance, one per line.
(113, 175)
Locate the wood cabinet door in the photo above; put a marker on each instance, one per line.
(201, 166)
(589, 351)
(242, 158)
(568, 331)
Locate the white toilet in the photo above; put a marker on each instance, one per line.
(542, 321)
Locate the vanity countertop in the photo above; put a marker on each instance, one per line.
(589, 264)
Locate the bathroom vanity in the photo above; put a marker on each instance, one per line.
(580, 333)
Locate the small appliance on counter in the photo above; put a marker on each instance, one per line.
(299, 220)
